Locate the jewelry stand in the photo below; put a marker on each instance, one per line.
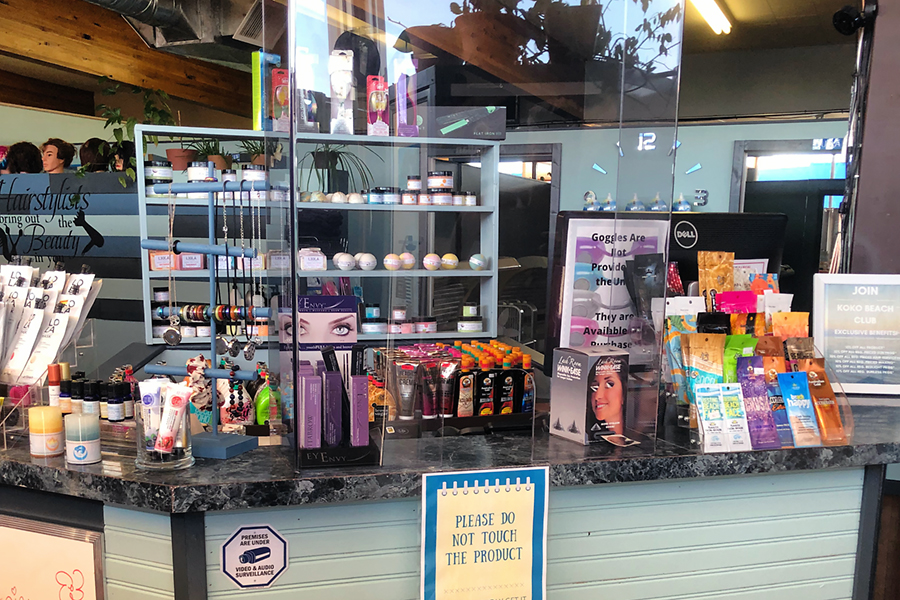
(211, 444)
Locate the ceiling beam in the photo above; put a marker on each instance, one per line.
(26, 91)
(86, 38)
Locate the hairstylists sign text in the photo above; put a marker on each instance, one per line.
(59, 215)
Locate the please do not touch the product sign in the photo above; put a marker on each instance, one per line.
(484, 534)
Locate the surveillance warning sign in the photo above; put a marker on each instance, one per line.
(254, 556)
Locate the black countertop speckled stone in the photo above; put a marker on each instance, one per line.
(265, 477)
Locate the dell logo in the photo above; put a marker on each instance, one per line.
(686, 234)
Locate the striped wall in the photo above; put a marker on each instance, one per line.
(138, 561)
(772, 537)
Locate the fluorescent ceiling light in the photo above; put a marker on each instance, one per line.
(713, 15)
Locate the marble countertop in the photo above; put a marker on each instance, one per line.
(265, 477)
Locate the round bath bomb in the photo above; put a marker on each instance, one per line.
(478, 262)
(392, 262)
(317, 197)
(449, 261)
(432, 262)
(328, 197)
(304, 196)
(408, 260)
(357, 256)
(355, 198)
(345, 262)
(367, 262)
(339, 198)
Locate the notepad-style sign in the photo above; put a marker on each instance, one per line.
(484, 534)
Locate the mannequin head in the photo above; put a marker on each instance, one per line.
(57, 155)
(123, 157)
(23, 157)
(95, 155)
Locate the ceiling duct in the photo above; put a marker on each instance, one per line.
(220, 31)
(166, 15)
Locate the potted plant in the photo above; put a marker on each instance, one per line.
(156, 112)
(336, 169)
(211, 150)
(258, 150)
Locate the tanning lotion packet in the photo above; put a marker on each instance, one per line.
(736, 432)
(751, 323)
(775, 303)
(735, 346)
(772, 367)
(790, 324)
(828, 414)
(770, 346)
(675, 327)
(760, 282)
(716, 274)
(736, 302)
(760, 420)
(712, 418)
(796, 349)
(801, 413)
(703, 361)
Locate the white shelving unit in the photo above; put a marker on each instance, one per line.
(428, 149)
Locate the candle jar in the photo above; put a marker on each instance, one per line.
(45, 431)
(82, 439)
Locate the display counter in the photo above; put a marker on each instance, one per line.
(789, 520)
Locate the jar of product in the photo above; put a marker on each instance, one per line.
(157, 331)
(398, 313)
(160, 170)
(312, 259)
(426, 325)
(414, 182)
(160, 294)
(188, 331)
(440, 179)
(424, 200)
(470, 325)
(395, 327)
(197, 171)
(471, 309)
(409, 197)
(376, 196)
(373, 311)
(149, 190)
(227, 175)
(459, 199)
(391, 195)
(255, 173)
(204, 331)
(441, 197)
(376, 326)
(407, 327)
(471, 199)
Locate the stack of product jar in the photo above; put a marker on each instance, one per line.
(157, 171)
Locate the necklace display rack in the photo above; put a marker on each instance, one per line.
(212, 444)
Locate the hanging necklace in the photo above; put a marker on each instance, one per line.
(256, 299)
(172, 335)
(221, 340)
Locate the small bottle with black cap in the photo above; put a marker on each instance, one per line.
(77, 396)
(115, 404)
(91, 404)
(103, 390)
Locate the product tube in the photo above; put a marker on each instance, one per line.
(430, 377)
(172, 417)
(150, 410)
(449, 370)
(405, 373)
(332, 407)
(359, 410)
(310, 429)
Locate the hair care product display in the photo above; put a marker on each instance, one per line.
(425, 382)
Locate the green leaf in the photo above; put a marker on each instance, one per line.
(122, 182)
(455, 8)
(129, 127)
(119, 134)
(131, 174)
